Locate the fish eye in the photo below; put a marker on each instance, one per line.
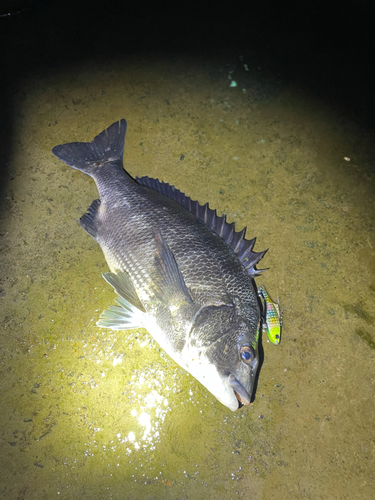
(247, 354)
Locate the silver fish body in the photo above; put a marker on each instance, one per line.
(179, 269)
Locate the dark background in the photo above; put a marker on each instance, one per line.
(327, 47)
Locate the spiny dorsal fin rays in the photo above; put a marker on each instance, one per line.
(220, 224)
(235, 239)
(250, 262)
(245, 248)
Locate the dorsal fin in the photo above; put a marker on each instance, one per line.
(235, 239)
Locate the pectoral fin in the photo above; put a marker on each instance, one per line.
(168, 282)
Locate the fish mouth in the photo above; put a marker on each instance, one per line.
(241, 393)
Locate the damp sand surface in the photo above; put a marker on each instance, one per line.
(94, 414)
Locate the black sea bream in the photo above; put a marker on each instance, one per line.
(180, 270)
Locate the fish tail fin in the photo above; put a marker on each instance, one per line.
(108, 146)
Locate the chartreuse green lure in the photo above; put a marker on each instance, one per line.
(273, 319)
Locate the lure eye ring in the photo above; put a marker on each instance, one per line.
(247, 354)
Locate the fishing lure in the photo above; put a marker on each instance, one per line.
(273, 318)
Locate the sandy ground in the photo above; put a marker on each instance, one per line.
(94, 414)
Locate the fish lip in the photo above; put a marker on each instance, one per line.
(241, 393)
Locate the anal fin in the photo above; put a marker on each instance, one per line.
(87, 221)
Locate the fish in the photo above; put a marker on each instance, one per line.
(179, 269)
(272, 318)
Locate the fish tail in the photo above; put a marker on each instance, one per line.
(108, 146)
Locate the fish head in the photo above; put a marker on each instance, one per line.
(222, 353)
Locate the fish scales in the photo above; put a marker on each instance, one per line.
(179, 270)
